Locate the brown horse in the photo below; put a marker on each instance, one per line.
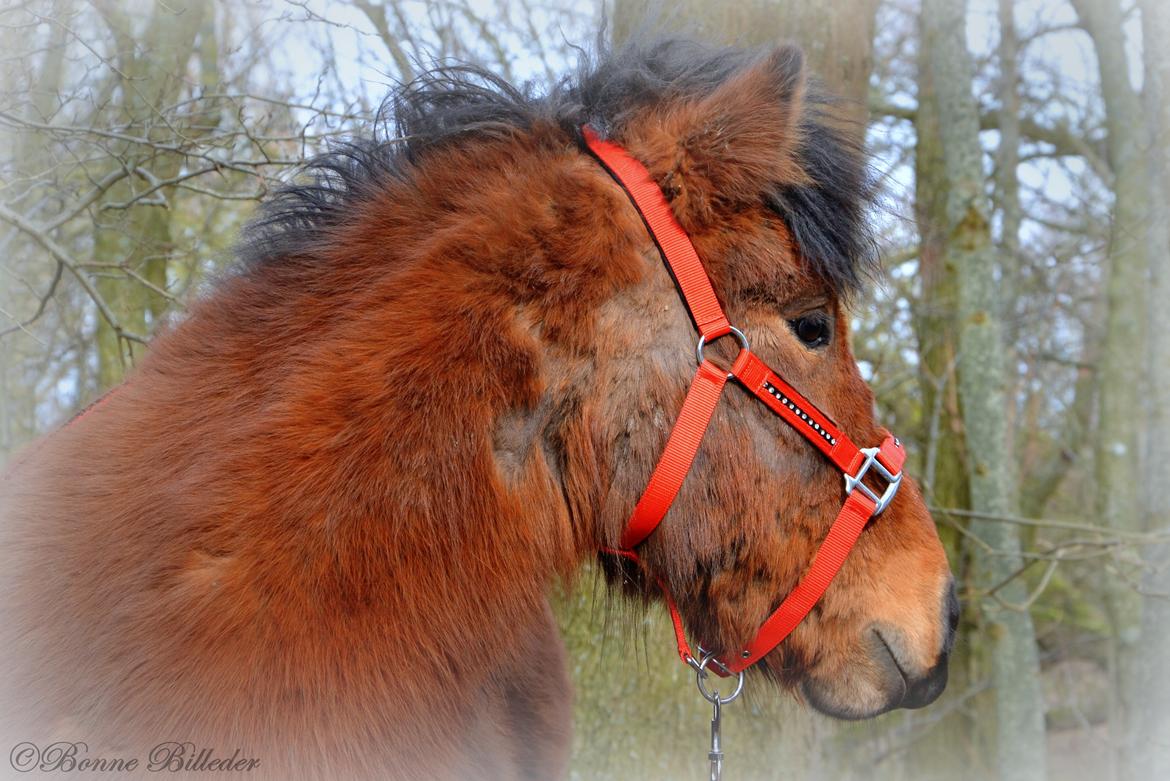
(320, 521)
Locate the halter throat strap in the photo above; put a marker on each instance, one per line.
(861, 502)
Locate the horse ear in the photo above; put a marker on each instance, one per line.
(736, 143)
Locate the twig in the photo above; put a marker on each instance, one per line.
(22, 325)
(38, 234)
(1139, 537)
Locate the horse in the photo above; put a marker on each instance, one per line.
(317, 527)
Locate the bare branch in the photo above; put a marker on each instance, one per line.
(38, 234)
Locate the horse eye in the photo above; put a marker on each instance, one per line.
(812, 329)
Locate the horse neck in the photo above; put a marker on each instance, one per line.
(363, 464)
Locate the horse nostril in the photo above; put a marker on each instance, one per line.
(951, 611)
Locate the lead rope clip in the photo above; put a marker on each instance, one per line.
(715, 755)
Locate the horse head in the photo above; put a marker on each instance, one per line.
(773, 198)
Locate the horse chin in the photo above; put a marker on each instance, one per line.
(873, 686)
(849, 702)
(865, 684)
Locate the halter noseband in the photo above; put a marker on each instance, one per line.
(861, 503)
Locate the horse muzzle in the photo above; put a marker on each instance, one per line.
(888, 675)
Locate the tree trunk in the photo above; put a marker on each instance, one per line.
(139, 240)
(27, 157)
(1150, 699)
(944, 476)
(1007, 191)
(1020, 739)
(936, 325)
(1118, 449)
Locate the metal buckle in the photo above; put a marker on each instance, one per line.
(892, 480)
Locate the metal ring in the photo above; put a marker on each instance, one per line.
(738, 334)
(712, 697)
(709, 658)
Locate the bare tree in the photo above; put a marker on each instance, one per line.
(1118, 446)
(982, 387)
(1151, 686)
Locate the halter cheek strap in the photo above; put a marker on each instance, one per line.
(861, 502)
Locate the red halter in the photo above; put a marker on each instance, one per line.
(753, 374)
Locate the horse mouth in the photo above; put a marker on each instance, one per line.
(893, 660)
(891, 688)
(917, 691)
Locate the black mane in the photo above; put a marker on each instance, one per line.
(451, 104)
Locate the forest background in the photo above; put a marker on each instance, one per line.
(1018, 342)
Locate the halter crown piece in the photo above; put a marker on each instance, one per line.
(861, 502)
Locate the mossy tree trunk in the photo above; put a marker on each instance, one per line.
(132, 244)
(1007, 196)
(27, 157)
(1118, 444)
(944, 476)
(1151, 685)
(968, 249)
(936, 322)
